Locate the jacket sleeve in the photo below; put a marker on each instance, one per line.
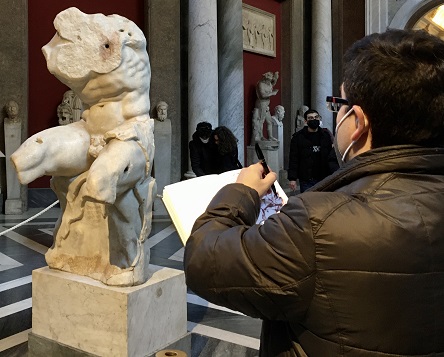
(264, 271)
(196, 164)
(333, 164)
(293, 159)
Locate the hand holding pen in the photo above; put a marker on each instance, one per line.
(261, 157)
(255, 177)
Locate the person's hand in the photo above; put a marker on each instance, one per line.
(253, 176)
(293, 185)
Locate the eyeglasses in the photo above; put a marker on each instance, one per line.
(335, 103)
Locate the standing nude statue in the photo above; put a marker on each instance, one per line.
(264, 90)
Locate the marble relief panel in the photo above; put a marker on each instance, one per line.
(259, 31)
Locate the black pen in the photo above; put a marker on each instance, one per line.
(261, 157)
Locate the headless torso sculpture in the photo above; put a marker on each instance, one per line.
(105, 189)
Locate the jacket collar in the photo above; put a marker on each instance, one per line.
(399, 158)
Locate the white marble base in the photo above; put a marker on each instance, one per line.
(162, 154)
(14, 206)
(13, 203)
(83, 313)
(270, 152)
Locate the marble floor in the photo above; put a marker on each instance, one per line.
(22, 250)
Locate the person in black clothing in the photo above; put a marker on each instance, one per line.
(227, 153)
(355, 265)
(202, 150)
(309, 153)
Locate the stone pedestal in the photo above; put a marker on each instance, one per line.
(82, 313)
(278, 132)
(13, 203)
(271, 154)
(162, 161)
(192, 344)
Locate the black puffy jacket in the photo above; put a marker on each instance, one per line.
(354, 267)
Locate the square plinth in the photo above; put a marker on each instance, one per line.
(102, 320)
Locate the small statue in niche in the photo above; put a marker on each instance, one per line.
(105, 189)
(264, 90)
(12, 111)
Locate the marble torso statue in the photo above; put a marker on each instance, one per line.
(105, 189)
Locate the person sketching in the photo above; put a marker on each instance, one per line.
(354, 266)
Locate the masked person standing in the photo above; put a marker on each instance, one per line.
(309, 153)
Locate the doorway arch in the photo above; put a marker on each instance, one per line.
(412, 10)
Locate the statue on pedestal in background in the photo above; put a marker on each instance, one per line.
(64, 113)
(261, 112)
(162, 111)
(70, 109)
(162, 157)
(278, 116)
(278, 132)
(13, 139)
(101, 165)
(12, 111)
(300, 121)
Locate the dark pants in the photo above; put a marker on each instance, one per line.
(305, 185)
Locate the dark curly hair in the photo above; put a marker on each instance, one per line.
(227, 141)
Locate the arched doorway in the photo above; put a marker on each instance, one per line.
(416, 13)
(432, 21)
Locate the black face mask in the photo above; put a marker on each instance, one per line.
(313, 124)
